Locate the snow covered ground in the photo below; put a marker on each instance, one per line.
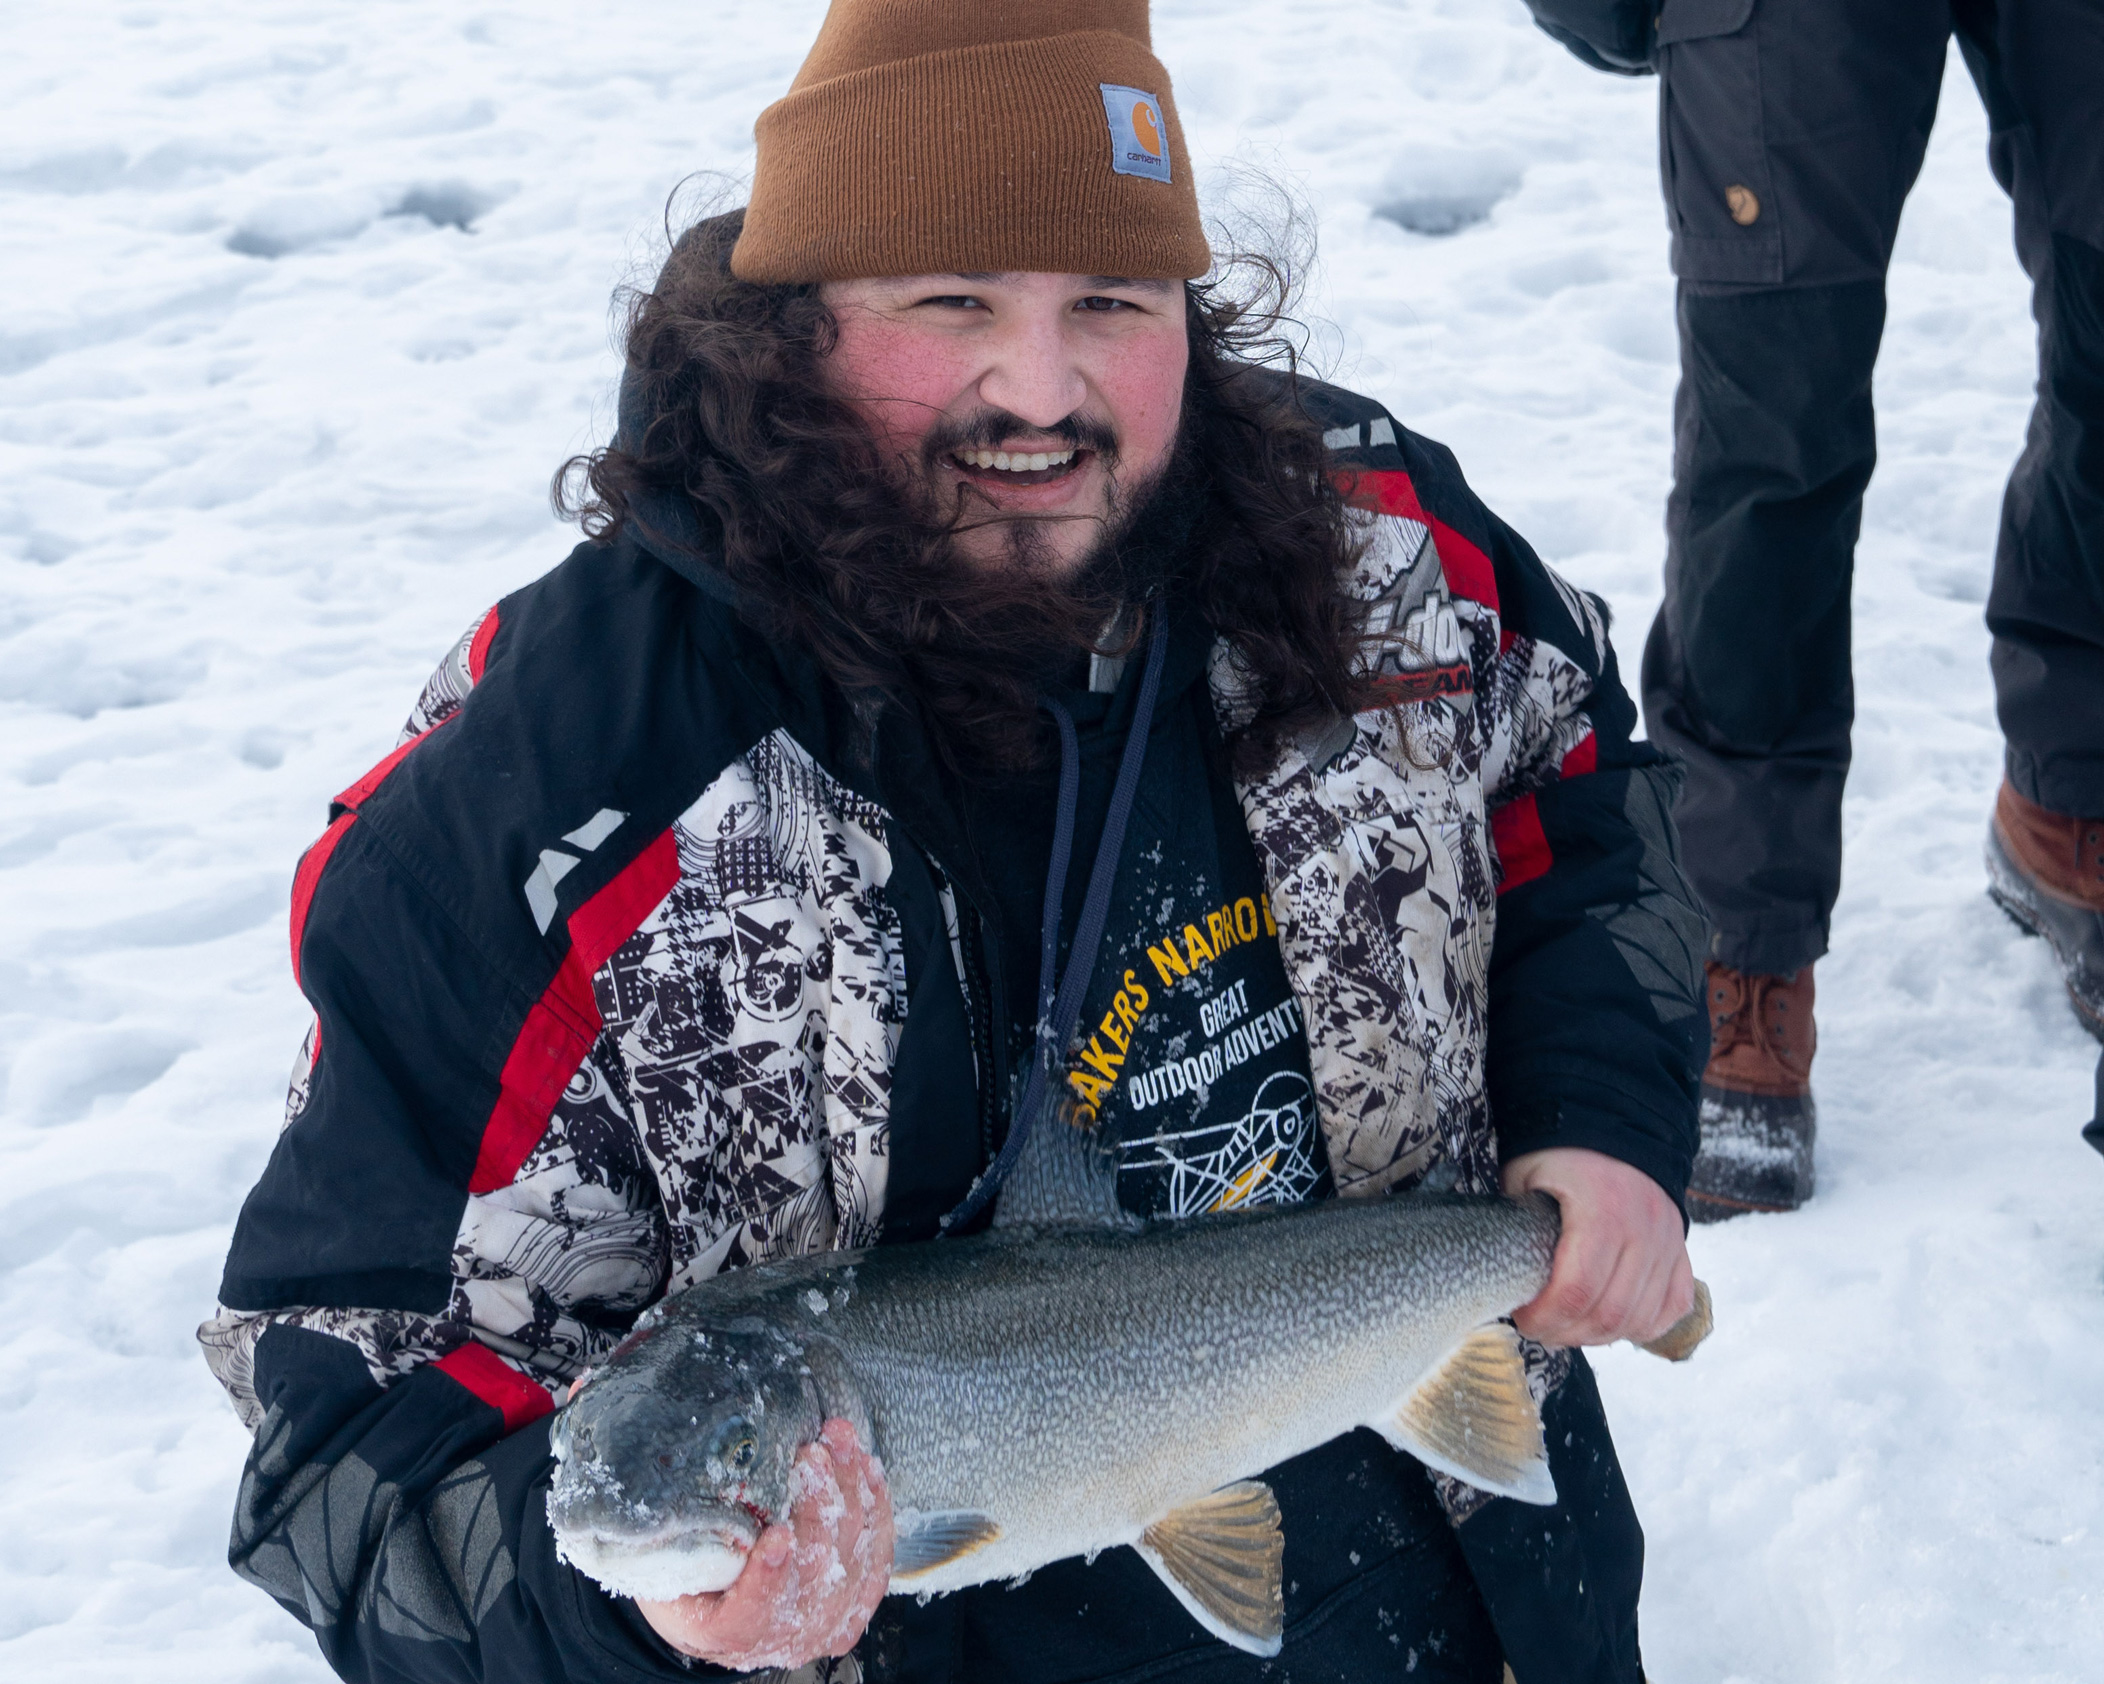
(303, 303)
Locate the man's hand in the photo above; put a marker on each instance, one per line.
(808, 1588)
(1621, 1269)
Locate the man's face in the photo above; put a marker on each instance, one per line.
(1030, 408)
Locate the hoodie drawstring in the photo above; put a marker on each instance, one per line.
(1059, 997)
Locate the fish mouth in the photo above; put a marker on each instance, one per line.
(679, 1559)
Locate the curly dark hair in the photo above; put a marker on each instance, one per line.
(726, 419)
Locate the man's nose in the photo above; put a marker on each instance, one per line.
(1034, 376)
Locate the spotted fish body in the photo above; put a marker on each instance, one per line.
(1039, 1392)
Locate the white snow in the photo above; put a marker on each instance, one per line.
(302, 306)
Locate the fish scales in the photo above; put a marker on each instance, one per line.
(1070, 1386)
(1208, 1356)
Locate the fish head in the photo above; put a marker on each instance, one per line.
(675, 1455)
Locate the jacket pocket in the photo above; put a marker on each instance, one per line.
(1720, 199)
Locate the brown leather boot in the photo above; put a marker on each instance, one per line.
(2046, 871)
(1758, 1121)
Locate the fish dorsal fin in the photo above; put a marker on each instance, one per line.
(1063, 1177)
(925, 1542)
(1473, 1417)
(1221, 1556)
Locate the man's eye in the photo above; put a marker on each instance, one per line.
(952, 301)
(1103, 306)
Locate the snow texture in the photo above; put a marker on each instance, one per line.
(304, 304)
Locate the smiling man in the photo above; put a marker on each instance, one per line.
(971, 619)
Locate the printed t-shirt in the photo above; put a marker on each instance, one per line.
(1190, 1051)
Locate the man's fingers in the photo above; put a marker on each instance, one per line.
(1647, 1295)
(1678, 1300)
(764, 1571)
(833, 1499)
(814, 1576)
(682, 1623)
(813, 1488)
(744, 1615)
(1598, 1293)
(1621, 1268)
(1578, 1274)
(1664, 1293)
(1586, 1325)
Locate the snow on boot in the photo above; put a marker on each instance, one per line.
(2047, 872)
(1758, 1120)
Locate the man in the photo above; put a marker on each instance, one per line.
(710, 907)
(1790, 133)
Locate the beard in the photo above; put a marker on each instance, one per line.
(1022, 542)
(872, 580)
(1143, 534)
(968, 643)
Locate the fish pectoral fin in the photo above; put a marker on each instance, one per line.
(1221, 1556)
(925, 1542)
(1473, 1417)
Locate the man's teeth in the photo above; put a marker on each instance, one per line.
(1021, 462)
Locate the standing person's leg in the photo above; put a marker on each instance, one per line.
(1790, 132)
(2039, 65)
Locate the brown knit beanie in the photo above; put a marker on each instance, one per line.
(943, 136)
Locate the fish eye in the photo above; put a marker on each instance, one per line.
(737, 1446)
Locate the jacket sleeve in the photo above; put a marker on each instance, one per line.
(394, 1496)
(405, 1526)
(397, 1343)
(1597, 1033)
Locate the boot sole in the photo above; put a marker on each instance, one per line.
(1714, 1207)
(2010, 890)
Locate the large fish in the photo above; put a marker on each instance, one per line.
(1046, 1390)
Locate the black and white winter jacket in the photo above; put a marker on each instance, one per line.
(628, 968)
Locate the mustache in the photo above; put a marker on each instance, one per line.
(990, 428)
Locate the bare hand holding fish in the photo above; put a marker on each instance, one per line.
(812, 1582)
(1621, 1269)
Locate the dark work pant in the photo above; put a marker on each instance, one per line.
(1790, 134)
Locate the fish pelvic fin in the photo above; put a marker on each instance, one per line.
(1473, 1417)
(925, 1542)
(1221, 1557)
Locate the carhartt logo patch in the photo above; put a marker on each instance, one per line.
(1139, 139)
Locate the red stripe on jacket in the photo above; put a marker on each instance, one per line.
(563, 1023)
(361, 791)
(478, 646)
(306, 879)
(1522, 844)
(497, 1384)
(1515, 828)
(1468, 570)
